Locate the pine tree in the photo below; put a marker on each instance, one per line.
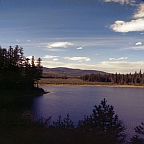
(104, 125)
(16, 71)
(139, 137)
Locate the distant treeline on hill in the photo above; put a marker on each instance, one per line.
(129, 79)
(16, 71)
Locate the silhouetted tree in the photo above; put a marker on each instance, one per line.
(16, 70)
(103, 125)
(66, 123)
(139, 137)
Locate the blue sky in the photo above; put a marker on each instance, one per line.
(106, 35)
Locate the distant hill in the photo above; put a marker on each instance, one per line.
(69, 72)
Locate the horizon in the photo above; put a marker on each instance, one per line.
(93, 70)
(104, 35)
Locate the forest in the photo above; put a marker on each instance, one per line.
(17, 71)
(136, 78)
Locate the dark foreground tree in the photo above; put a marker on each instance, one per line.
(16, 71)
(66, 123)
(139, 137)
(103, 126)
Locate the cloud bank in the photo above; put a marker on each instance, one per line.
(107, 66)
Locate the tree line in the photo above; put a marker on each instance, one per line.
(17, 71)
(136, 78)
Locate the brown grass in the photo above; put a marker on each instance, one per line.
(79, 82)
(59, 81)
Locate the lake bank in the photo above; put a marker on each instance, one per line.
(79, 82)
(10, 98)
(97, 85)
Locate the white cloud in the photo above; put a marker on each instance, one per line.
(50, 56)
(121, 1)
(60, 44)
(55, 59)
(134, 25)
(112, 59)
(80, 59)
(121, 58)
(140, 11)
(79, 48)
(138, 43)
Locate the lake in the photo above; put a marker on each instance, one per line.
(80, 100)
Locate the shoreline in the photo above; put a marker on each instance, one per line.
(119, 86)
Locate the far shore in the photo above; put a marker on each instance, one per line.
(122, 86)
(79, 82)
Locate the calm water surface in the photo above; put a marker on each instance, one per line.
(80, 100)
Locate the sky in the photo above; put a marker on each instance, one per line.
(105, 35)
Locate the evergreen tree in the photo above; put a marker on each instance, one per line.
(16, 70)
(139, 137)
(104, 125)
